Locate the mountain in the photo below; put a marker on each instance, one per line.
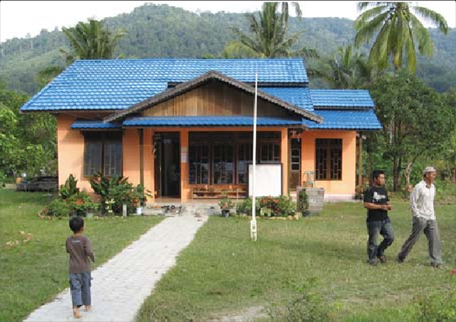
(165, 31)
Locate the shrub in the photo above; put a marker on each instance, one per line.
(285, 206)
(70, 201)
(81, 204)
(57, 208)
(116, 191)
(303, 202)
(226, 203)
(69, 189)
(245, 207)
(282, 206)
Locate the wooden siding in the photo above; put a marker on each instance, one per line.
(215, 98)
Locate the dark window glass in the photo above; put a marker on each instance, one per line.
(223, 164)
(244, 158)
(199, 164)
(103, 153)
(328, 161)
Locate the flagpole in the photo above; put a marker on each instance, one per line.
(253, 224)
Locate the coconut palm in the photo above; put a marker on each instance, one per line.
(398, 31)
(90, 40)
(347, 69)
(269, 31)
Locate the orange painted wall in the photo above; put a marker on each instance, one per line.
(70, 152)
(346, 186)
(284, 158)
(130, 151)
(71, 156)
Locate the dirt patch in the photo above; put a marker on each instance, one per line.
(249, 315)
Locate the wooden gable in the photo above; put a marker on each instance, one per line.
(215, 98)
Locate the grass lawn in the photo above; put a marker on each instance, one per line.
(33, 272)
(223, 272)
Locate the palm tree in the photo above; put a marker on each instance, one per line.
(397, 31)
(91, 41)
(88, 40)
(269, 37)
(347, 69)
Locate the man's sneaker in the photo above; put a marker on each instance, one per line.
(382, 258)
(436, 265)
(399, 260)
(373, 262)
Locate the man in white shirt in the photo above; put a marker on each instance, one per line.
(422, 205)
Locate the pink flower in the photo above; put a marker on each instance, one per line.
(453, 272)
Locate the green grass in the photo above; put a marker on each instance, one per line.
(32, 273)
(223, 272)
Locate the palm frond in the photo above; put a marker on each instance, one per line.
(422, 35)
(432, 17)
(366, 32)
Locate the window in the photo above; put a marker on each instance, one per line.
(244, 158)
(223, 157)
(199, 164)
(328, 161)
(223, 164)
(103, 153)
(269, 152)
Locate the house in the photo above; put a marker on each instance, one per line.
(177, 125)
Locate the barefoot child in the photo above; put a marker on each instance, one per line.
(78, 246)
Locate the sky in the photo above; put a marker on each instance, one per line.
(19, 18)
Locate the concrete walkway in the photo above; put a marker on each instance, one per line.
(121, 285)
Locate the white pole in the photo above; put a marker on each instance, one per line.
(253, 224)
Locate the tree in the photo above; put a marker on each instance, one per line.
(90, 40)
(397, 30)
(269, 31)
(416, 121)
(348, 69)
(27, 141)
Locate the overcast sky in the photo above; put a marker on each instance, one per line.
(19, 18)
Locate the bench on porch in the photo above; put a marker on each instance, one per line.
(216, 193)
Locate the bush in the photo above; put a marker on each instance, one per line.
(70, 201)
(81, 203)
(115, 192)
(69, 189)
(286, 206)
(303, 202)
(57, 208)
(226, 203)
(245, 207)
(282, 206)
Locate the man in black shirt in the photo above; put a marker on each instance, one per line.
(377, 203)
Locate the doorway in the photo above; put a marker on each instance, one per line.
(167, 164)
(295, 164)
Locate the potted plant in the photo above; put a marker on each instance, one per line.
(225, 205)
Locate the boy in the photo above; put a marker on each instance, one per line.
(80, 251)
(377, 203)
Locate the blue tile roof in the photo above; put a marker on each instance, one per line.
(87, 125)
(341, 98)
(115, 84)
(210, 121)
(298, 96)
(346, 120)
